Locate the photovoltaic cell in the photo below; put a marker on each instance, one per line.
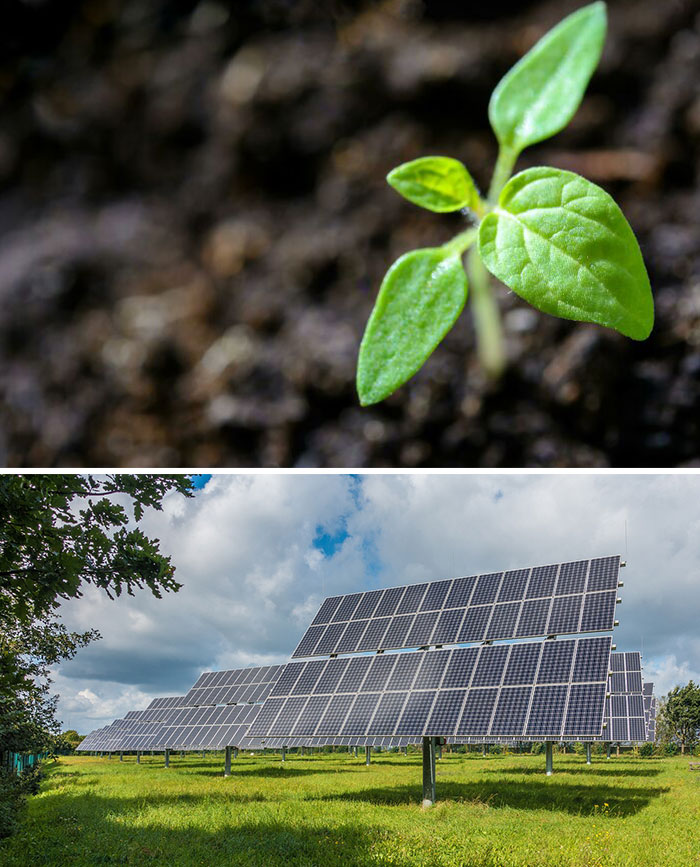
(422, 629)
(572, 577)
(373, 636)
(511, 710)
(436, 595)
(387, 713)
(475, 623)
(411, 599)
(460, 592)
(489, 668)
(555, 664)
(486, 588)
(415, 712)
(513, 586)
(379, 673)
(522, 664)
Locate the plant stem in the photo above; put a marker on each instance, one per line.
(487, 318)
(502, 172)
(461, 242)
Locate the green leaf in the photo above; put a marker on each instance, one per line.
(439, 184)
(541, 93)
(420, 298)
(562, 244)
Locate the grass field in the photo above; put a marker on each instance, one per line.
(333, 810)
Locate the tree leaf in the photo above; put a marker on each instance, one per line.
(562, 244)
(439, 184)
(420, 298)
(541, 93)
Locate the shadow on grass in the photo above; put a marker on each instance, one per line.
(595, 770)
(545, 794)
(98, 830)
(276, 772)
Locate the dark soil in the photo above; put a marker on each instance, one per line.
(194, 222)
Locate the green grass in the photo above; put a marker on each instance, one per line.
(333, 810)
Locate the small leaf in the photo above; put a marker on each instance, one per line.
(439, 184)
(562, 244)
(541, 93)
(420, 298)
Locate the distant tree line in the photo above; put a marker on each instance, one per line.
(678, 722)
(59, 533)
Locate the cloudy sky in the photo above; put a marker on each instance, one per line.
(257, 554)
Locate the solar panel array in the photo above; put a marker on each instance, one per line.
(624, 706)
(216, 712)
(649, 711)
(167, 701)
(234, 686)
(553, 689)
(207, 727)
(563, 598)
(540, 689)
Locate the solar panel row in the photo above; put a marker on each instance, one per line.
(541, 688)
(234, 686)
(547, 600)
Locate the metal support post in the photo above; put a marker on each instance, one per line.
(109, 755)
(483, 749)
(405, 751)
(235, 752)
(439, 751)
(182, 754)
(167, 758)
(138, 757)
(302, 751)
(121, 757)
(618, 748)
(588, 754)
(202, 753)
(609, 749)
(367, 755)
(227, 762)
(428, 772)
(284, 753)
(548, 757)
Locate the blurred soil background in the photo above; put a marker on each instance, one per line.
(194, 223)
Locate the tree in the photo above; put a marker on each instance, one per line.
(679, 715)
(58, 533)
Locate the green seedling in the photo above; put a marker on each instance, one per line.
(557, 240)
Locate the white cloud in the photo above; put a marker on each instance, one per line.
(243, 548)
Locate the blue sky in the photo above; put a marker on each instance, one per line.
(256, 554)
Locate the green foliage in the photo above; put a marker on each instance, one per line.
(421, 296)
(557, 240)
(13, 794)
(679, 715)
(439, 184)
(541, 93)
(60, 532)
(562, 244)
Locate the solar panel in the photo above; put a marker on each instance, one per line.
(565, 598)
(455, 692)
(649, 711)
(233, 686)
(624, 709)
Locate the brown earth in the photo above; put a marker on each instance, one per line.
(194, 222)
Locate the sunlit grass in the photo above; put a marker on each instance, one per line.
(333, 810)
